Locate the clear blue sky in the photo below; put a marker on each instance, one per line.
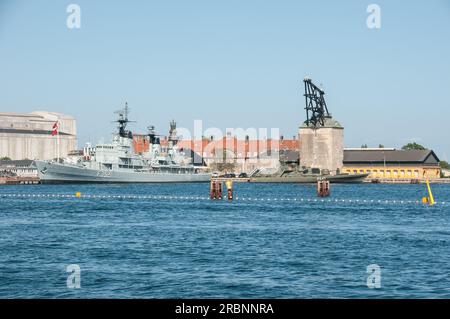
(233, 63)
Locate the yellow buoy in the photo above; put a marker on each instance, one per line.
(78, 195)
(430, 197)
(229, 189)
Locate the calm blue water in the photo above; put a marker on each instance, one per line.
(146, 248)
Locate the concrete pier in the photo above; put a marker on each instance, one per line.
(19, 180)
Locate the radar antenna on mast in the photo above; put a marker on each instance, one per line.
(173, 137)
(123, 121)
(316, 107)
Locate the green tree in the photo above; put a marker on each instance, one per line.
(380, 146)
(364, 146)
(444, 165)
(413, 146)
(5, 158)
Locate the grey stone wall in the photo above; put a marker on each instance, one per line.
(322, 147)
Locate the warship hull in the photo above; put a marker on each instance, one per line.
(50, 172)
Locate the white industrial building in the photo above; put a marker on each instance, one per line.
(29, 136)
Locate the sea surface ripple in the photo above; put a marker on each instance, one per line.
(198, 248)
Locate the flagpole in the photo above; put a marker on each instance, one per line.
(54, 150)
(57, 137)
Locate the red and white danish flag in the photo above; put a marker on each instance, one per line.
(55, 129)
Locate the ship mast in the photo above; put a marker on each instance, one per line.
(173, 138)
(123, 121)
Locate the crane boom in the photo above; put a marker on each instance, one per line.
(316, 107)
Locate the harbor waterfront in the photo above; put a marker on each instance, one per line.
(272, 240)
(224, 159)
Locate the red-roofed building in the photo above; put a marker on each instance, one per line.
(247, 154)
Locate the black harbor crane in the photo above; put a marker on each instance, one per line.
(316, 107)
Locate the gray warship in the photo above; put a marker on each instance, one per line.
(117, 161)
